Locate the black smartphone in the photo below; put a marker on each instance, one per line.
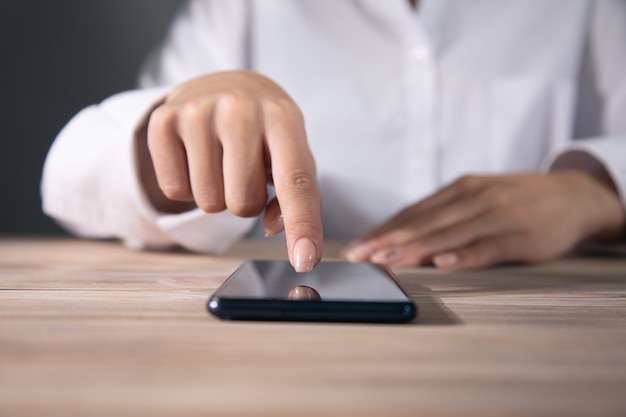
(332, 291)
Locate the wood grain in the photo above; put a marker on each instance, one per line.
(92, 328)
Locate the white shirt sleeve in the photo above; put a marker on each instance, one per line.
(607, 51)
(90, 180)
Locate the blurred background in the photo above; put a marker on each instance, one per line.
(58, 57)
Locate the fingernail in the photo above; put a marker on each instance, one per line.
(277, 226)
(304, 255)
(446, 259)
(358, 251)
(387, 256)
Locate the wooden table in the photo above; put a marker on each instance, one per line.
(93, 328)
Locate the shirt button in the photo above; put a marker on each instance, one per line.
(419, 55)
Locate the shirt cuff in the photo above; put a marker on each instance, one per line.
(601, 155)
(204, 232)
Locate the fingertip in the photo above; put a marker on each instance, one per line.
(387, 256)
(305, 255)
(447, 260)
(275, 226)
(358, 251)
(304, 244)
(463, 259)
(305, 239)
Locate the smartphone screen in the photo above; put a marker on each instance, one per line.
(332, 291)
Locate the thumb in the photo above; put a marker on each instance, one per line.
(273, 223)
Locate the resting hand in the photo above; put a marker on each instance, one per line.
(480, 221)
(215, 143)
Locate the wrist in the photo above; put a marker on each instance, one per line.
(604, 217)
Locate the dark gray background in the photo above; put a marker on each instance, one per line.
(57, 57)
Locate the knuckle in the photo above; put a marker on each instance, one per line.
(234, 104)
(175, 191)
(210, 205)
(495, 196)
(284, 108)
(208, 196)
(300, 182)
(196, 112)
(246, 208)
(163, 118)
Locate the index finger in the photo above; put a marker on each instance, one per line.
(295, 182)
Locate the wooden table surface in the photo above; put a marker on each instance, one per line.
(92, 328)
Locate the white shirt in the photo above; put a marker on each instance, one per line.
(396, 103)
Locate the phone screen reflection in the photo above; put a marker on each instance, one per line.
(329, 281)
(304, 293)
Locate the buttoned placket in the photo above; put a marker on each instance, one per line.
(421, 104)
(417, 35)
